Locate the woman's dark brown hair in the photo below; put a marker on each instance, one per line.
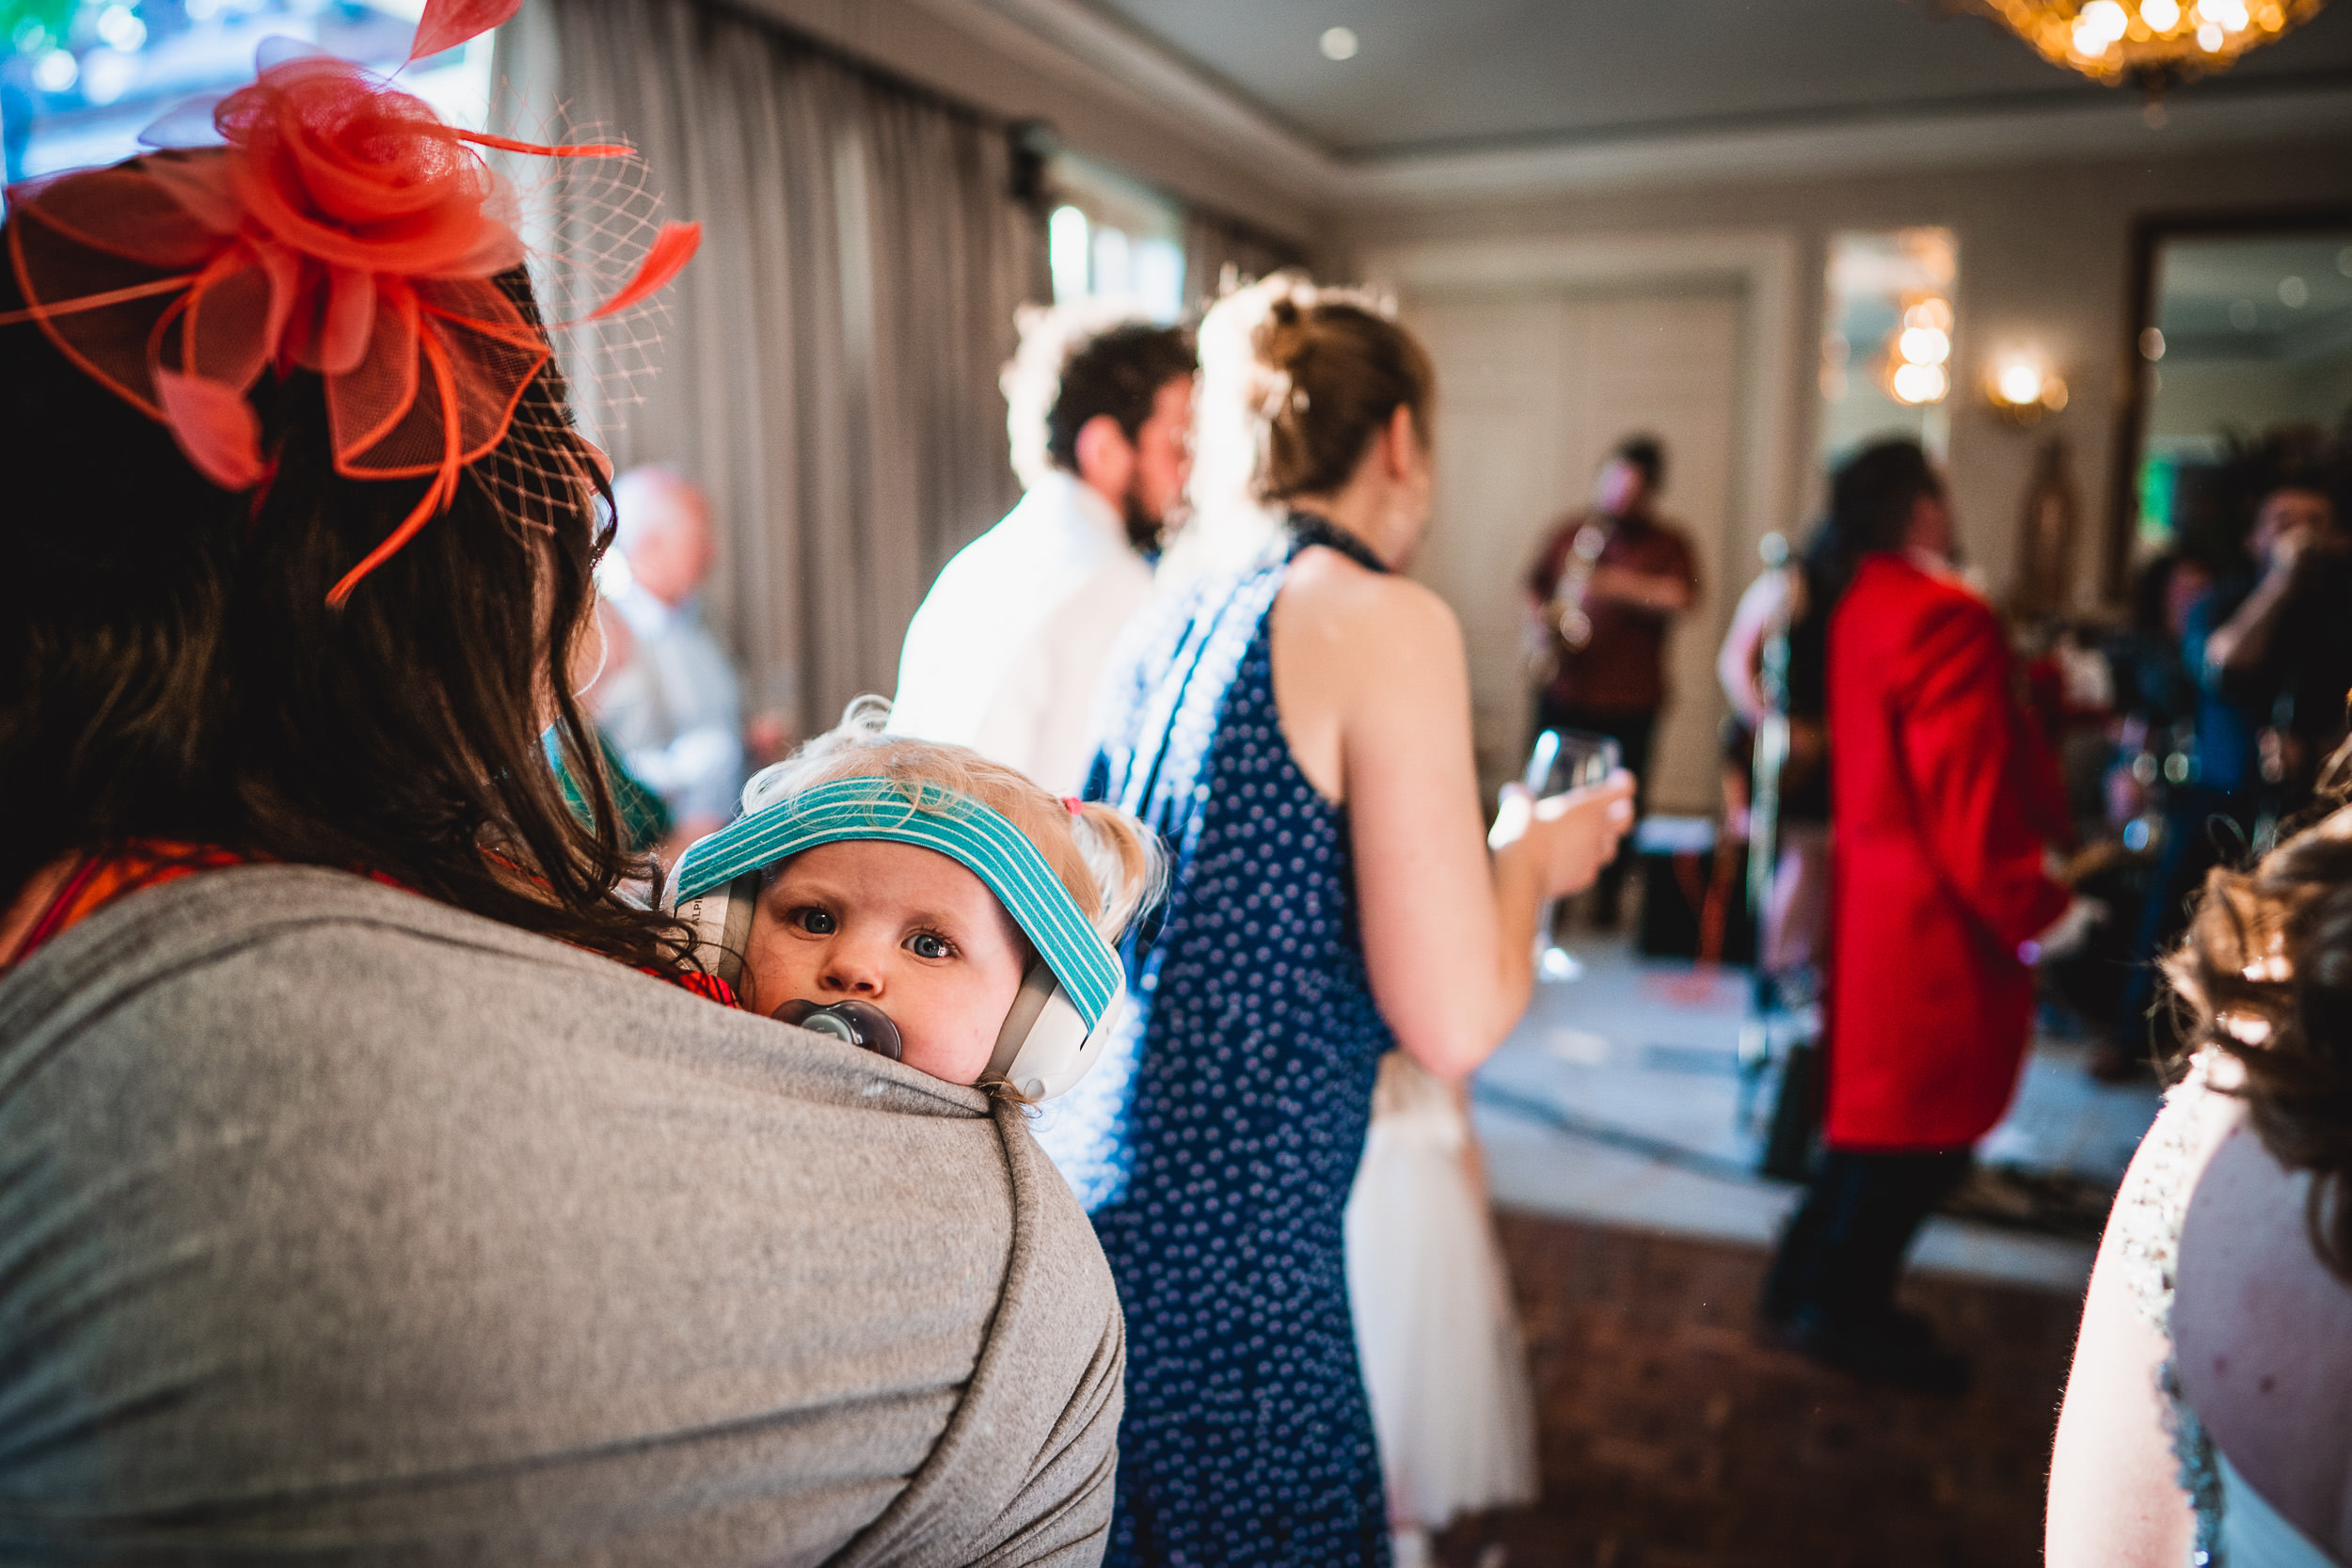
(1334, 369)
(2264, 973)
(169, 667)
(1871, 497)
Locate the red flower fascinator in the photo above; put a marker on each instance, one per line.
(342, 228)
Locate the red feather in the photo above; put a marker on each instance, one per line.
(447, 24)
(671, 248)
(508, 144)
(216, 428)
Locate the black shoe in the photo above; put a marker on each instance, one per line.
(1897, 1351)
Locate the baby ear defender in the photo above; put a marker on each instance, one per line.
(1047, 1044)
(720, 916)
(1069, 1000)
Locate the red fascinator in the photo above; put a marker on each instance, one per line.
(342, 228)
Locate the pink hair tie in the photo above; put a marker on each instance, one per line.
(1077, 807)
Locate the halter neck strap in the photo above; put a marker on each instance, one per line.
(1307, 528)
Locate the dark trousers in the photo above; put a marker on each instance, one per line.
(1843, 1250)
(1633, 732)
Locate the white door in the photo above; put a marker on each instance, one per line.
(1533, 391)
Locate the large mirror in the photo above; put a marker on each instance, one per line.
(2243, 345)
(1886, 340)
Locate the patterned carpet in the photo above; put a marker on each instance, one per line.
(1671, 1439)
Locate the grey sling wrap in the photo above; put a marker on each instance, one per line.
(337, 1225)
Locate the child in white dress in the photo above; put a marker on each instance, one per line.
(1435, 1326)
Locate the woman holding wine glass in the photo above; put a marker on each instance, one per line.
(1299, 734)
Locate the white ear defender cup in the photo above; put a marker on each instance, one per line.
(1046, 1046)
(721, 921)
(1069, 998)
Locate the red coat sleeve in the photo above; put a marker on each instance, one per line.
(2044, 783)
(1967, 768)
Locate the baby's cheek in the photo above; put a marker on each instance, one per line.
(949, 1042)
(772, 971)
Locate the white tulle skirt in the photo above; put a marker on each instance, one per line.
(1433, 1323)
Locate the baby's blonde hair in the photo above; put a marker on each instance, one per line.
(1109, 863)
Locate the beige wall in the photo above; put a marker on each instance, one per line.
(1538, 385)
(2044, 262)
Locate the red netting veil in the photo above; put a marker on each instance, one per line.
(341, 227)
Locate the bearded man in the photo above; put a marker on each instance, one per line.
(1006, 652)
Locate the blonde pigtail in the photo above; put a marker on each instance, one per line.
(1126, 861)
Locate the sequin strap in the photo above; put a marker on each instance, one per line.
(1307, 529)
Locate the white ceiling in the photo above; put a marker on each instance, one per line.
(1445, 76)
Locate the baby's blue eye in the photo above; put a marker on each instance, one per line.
(816, 921)
(925, 945)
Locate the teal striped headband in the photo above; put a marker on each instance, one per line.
(955, 826)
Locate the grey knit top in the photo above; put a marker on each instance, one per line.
(337, 1225)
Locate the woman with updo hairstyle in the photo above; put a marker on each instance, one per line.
(2205, 1416)
(1298, 732)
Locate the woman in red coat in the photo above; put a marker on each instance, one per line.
(1937, 789)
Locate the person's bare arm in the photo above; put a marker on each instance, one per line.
(1740, 663)
(2114, 1502)
(1660, 593)
(1377, 691)
(2243, 642)
(2114, 1498)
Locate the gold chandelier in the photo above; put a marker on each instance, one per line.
(2151, 43)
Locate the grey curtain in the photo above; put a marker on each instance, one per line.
(829, 364)
(1221, 253)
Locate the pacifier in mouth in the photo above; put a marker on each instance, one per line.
(858, 1023)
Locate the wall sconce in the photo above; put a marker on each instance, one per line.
(2021, 391)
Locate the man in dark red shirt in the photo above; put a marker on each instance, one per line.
(1601, 596)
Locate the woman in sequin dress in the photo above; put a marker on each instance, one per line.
(2204, 1423)
(1299, 734)
(2204, 1415)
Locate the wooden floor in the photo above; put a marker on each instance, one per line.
(1671, 1439)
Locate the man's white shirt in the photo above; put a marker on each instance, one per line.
(1007, 651)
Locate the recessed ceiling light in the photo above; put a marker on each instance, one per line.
(1339, 44)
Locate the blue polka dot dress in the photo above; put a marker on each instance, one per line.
(1217, 1143)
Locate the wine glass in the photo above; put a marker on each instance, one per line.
(1564, 760)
